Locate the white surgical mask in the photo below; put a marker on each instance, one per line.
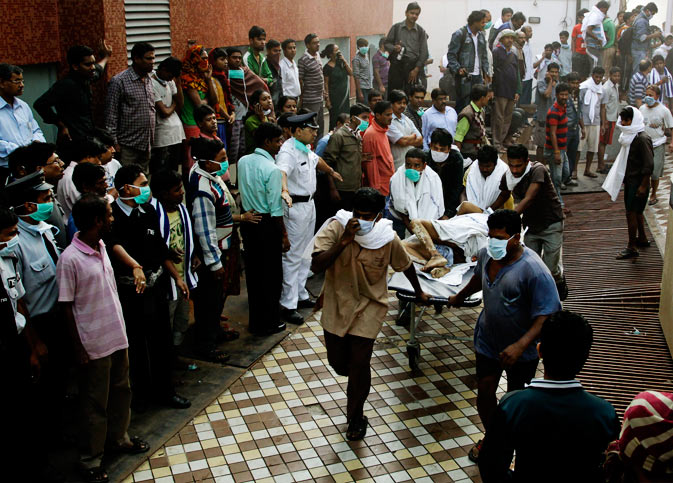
(438, 157)
(365, 226)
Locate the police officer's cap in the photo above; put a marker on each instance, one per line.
(34, 181)
(303, 120)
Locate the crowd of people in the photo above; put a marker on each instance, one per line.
(221, 160)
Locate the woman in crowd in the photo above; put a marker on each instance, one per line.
(336, 72)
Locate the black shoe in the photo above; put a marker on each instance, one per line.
(291, 317)
(357, 429)
(177, 402)
(562, 288)
(309, 303)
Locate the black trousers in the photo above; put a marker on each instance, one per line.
(150, 340)
(208, 304)
(351, 356)
(398, 76)
(263, 258)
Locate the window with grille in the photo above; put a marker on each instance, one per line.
(148, 21)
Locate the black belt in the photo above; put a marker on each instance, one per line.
(301, 198)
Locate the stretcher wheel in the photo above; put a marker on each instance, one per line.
(413, 352)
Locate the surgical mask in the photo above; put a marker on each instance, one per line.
(236, 74)
(413, 175)
(142, 198)
(363, 125)
(497, 249)
(649, 100)
(364, 50)
(565, 46)
(420, 112)
(43, 211)
(385, 55)
(224, 166)
(365, 226)
(488, 25)
(9, 249)
(438, 157)
(300, 146)
(267, 112)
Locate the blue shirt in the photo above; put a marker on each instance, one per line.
(520, 292)
(573, 114)
(432, 119)
(322, 144)
(18, 127)
(641, 29)
(37, 267)
(260, 183)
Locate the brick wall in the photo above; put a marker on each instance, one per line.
(29, 32)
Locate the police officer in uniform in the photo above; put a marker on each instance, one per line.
(299, 163)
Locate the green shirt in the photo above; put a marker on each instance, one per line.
(262, 70)
(464, 125)
(251, 125)
(187, 113)
(260, 183)
(609, 28)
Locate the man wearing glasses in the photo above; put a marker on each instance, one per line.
(18, 126)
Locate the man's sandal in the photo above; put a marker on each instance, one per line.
(95, 475)
(627, 253)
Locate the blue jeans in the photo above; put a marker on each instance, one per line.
(573, 146)
(398, 225)
(637, 56)
(558, 172)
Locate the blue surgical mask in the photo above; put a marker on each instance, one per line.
(649, 100)
(364, 50)
(363, 125)
(142, 198)
(488, 25)
(413, 175)
(224, 166)
(497, 249)
(236, 74)
(9, 249)
(385, 54)
(365, 226)
(43, 211)
(301, 146)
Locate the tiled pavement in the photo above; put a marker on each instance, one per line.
(284, 419)
(657, 215)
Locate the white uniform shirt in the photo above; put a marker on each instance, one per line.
(11, 280)
(300, 168)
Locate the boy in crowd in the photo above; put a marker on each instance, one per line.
(415, 109)
(351, 320)
(591, 95)
(362, 74)
(556, 142)
(89, 298)
(661, 77)
(88, 178)
(175, 227)
(545, 97)
(609, 113)
(554, 420)
(168, 132)
(85, 151)
(253, 58)
(139, 257)
(639, 83)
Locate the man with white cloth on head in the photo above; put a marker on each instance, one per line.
(354, 250)
(415, 193)
(593, 33)
(482, 183)
(298, 164)
(633, 166)
(591, 95)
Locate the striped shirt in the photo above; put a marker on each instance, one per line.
(310, 73)
(637, 87)
(130, 115)
(85, 278)
(556, 116)
(362, 72)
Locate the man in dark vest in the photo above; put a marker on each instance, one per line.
(471, 128)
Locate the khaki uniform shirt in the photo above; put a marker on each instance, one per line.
(355, 294)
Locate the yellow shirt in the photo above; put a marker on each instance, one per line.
(355, 293)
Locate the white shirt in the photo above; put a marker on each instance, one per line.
(475, 41)
(656, 119)
(168, 130)
(399, 128)
(290, 75)
(528, 59)
(66, 192)
(432, 119)
(300, 168)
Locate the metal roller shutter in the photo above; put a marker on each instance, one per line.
(148, 21)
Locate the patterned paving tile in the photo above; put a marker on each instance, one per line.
(284, 419)
(657, 215)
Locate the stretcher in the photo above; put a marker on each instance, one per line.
(439, 292)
